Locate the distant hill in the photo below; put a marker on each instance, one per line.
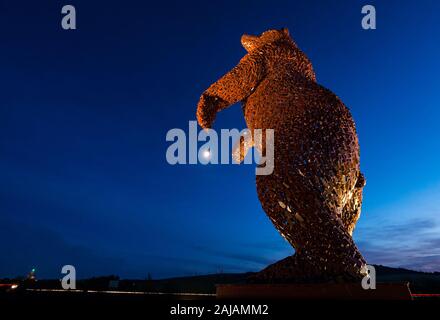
(420, 282)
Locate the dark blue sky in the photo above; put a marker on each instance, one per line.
(84, 114)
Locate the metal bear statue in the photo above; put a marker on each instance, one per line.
(314, 195)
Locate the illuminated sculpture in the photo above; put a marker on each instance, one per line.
(314, 195)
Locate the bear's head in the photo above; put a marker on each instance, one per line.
(251, 43)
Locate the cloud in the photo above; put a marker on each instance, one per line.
(405, 234)
(412, 242)
(400, 232)
(176, 266)
(246, 256)
(234, 255)
(23, 247)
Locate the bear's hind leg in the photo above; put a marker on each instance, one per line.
(292, 269)
(324, 248)
(352, 210)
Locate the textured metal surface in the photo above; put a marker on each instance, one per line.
(314, 195)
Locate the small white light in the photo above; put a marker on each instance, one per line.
(14, 286)
(207, 154)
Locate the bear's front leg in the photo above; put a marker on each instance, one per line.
(207, 109)
(233, 87)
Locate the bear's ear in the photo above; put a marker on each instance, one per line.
(285, 31)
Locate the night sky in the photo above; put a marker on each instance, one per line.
(84, 114)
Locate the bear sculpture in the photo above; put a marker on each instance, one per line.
(314, 195)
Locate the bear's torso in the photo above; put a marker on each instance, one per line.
(315, 136)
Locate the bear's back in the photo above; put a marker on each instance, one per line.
(309, 121)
